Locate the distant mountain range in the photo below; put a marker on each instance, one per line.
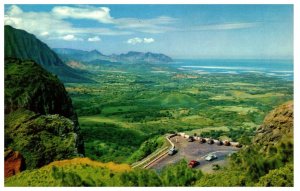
(94, 55)
(23, 45)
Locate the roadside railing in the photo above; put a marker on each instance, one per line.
(155, 156)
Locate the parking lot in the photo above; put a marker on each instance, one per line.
(195, 151)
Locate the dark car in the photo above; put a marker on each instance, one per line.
(193, 163)
(202, 140)
(219, 143)
(226, 143)
(190, 139)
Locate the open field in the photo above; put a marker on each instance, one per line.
(137, 104)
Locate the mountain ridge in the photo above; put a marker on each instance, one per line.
(93, 55)
(23, 45)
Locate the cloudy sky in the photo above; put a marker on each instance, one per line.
(181, 31)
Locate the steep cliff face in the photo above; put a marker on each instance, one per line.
(29, 86)
(277, 126)
(23, 45)
(40, 121)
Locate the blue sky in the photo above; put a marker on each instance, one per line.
(181, 31)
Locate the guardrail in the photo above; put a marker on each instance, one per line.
(155, 156)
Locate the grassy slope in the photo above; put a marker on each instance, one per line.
(74, 172)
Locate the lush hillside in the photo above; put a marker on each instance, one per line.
(40, 121)
(278, 125)
(41, 139)
(258, 165)
(80, 55)
(27, 85)
(23, 45)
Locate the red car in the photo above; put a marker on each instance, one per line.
(193, 163)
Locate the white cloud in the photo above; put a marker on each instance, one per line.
(134, 41)
(48, 25)
(154, 25)
(71, 37)
(226, 26)
(53, 24)
(138, 40)
(100, 14)
(44, 33)
(94, 39)
(148, 40)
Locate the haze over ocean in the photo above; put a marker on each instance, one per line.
(278, 68)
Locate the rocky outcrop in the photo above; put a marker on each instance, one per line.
(40, 138)
(277, 126)
(13, 163)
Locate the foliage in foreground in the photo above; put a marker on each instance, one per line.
(84, 172)
(252, 167)
(40, 138)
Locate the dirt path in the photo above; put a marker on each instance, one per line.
(195, 151)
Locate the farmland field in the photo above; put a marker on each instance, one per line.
(132, 103)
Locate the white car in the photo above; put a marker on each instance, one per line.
(172, 151)
(211, 157)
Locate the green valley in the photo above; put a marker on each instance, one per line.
(148, 96)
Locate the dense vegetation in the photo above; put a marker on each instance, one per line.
(125, 114)
(39, 123)
(250, 167)
(27, 85)
(40, 138)
(151, 99)
(23, 45)
(88, 173)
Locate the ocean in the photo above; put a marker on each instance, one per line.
(278, 68)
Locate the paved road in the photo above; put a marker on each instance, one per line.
(195, 151)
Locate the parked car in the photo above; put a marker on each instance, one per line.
(226, 143)
(172, 151)
(211, 157)
(210, 141)
(190, 139)
(202, 140)
(220, 143)
(193, 163)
